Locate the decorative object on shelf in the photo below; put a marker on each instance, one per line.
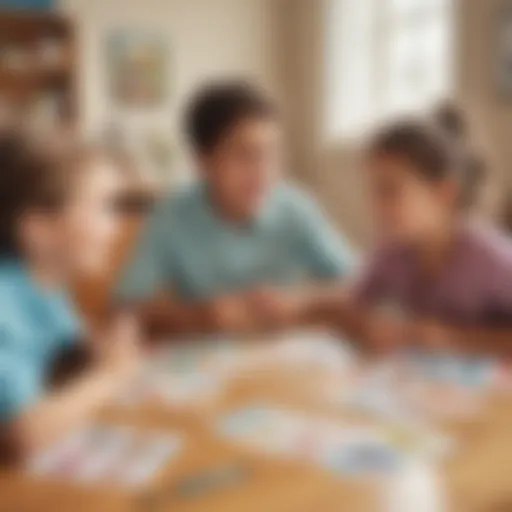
(37, 66)
(137, 68)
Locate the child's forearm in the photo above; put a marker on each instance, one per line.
(468, 340)
(484, 341)
(60, 413)
(171, 317)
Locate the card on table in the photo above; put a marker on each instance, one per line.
(344, 448)
(415, 388)
(107, 455)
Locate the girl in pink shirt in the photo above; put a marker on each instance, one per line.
(446, 280)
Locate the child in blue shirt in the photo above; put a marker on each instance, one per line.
(56, 223)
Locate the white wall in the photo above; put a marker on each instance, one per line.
(208, 38)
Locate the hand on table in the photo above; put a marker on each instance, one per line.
(384, 334)
(276, 307)
(433, 336)
(262, 307)
(230, 314)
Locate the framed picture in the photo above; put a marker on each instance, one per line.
(504, 50)
(137, 68)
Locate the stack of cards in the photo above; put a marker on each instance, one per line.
(108, 455)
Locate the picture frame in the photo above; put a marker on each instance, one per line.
(138, 64)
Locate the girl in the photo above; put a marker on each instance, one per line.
(446, 280)
(56, 222)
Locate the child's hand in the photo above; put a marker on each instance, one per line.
(433, 336)
(384, 334)
(120, 346)
(230, 314)
(274, 307)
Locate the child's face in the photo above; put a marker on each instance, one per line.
(407, 207)
(90, 221)
(245, 165)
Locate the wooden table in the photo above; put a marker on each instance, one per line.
(478, 477)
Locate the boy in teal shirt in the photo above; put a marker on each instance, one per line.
(229, 252)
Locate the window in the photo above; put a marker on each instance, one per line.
(385, 57)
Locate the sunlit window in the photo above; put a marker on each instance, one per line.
(385, 57)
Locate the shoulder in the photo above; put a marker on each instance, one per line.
(293, 199)
(173, 207)
(490, 247)
(488, 252)
(180, 200)
(13, 296)
(294, 195)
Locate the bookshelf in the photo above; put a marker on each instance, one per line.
(38, 67)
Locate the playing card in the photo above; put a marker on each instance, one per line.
(149, 457)
(347, 449)
(107, 455)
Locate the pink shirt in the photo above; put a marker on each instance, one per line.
(474, 288)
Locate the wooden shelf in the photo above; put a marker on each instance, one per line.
(23, 20)
(34, 76)
(30, 75)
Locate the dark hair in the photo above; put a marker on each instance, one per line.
(439, 147)
(32, 178)
(218, 108)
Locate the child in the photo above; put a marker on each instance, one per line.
(235, 251)
(447, 278)
(56, 222)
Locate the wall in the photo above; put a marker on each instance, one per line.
(332, 170)
(208, 38)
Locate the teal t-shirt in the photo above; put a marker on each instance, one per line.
(36, 325)
(189, 249)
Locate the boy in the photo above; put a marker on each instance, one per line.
(229, 253)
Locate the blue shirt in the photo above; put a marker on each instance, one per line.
(187, 248)
(35, 326)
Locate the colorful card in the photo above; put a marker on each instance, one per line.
(344, 448)
(107, 455)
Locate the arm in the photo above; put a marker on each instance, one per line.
(147, 283)
(475, 340)
(328, 261)
(167, 314)
(328, 256)
(54, 416)
(491, 331)
(26, 428)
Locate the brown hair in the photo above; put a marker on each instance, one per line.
(439, 147)
(32, 178)
(218, 107)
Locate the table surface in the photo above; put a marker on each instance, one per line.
(476, 478)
